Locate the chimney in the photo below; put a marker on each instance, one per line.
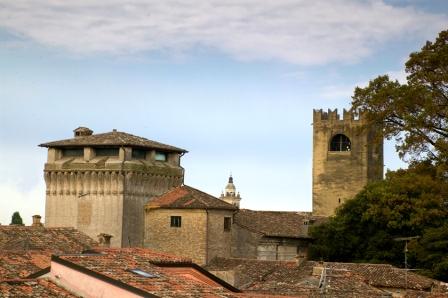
(82, 132)
(299, 259)
(36, 221)
(104, 239)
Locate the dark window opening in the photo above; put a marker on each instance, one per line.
(74, 152)
(339, 200)
(227, 223)
(106, 151)
(160, 156)
(340, 142)
(138, 153)
(176, 221)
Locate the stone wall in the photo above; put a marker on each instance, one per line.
(219, 241)
(244, 243)
(105, 194)
(189, 240)
(340, 175)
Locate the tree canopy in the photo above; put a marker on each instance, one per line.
(410, 202)
(16, 219)
(414, 114)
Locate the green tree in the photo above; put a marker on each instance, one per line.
(408, 202)
(16, 219)
(414, 114)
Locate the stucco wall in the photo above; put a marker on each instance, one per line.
(85, 285)
(244, 243)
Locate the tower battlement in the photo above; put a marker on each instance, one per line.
(347, 115)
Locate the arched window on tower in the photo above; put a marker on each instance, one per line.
(340, 142)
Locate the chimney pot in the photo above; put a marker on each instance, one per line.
(36, 221)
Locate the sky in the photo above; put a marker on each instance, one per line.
(232, 82)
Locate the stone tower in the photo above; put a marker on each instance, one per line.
(346, 155)
(99, 183)
(229, 195)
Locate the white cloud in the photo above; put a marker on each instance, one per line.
(28, 203)
(294, 31)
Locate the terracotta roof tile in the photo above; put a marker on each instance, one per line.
(25, 250)
(32, 288)
(186, 197)
(57, 240)
(277, 223)
(166, 282)
(288, 278)
(20, 264)
(114, 138)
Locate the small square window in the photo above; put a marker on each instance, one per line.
(160, 156)
(176, 221)
(227, 223)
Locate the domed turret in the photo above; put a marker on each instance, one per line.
(230, 196)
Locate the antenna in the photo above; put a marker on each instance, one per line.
(406, 239)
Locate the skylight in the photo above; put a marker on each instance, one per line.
(143, 273)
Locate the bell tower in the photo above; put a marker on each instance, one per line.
(230, 196)
(346, 155)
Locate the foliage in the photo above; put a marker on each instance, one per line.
(414, 114)
(410, 202)
(16, 219)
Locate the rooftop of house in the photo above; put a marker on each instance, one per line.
(56, 240)
(31, 288)
(25, 250)
(113, 138)
(187, 197)
(21, 264)
(277, 223)
(163, 274)
(288, 277)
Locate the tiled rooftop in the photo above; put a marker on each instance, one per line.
(20, 264)
(166, 282)
(186, 197)
(277, 223)
(56, 240)
(113, 138)
(288, 278)
(32, 288)
(26, 249)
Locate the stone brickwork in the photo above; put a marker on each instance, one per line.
(201, 236)
(100, 194)
(340, 175)
(189, 240)
(219, 240)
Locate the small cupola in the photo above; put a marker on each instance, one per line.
(82, 132)
(230, 188)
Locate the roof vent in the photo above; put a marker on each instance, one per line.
(82, 132)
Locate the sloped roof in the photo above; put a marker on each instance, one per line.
(277, 223)
(287, 277)
(56, 240)
(187, 197)
(25, 250)
(113, 138)
(32, 288)
(166, 280)
(20, 264)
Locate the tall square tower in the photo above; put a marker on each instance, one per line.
(346, 155)
(99, 183)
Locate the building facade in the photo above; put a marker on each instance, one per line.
(99, 183)
(189, 223)
(346, 155)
